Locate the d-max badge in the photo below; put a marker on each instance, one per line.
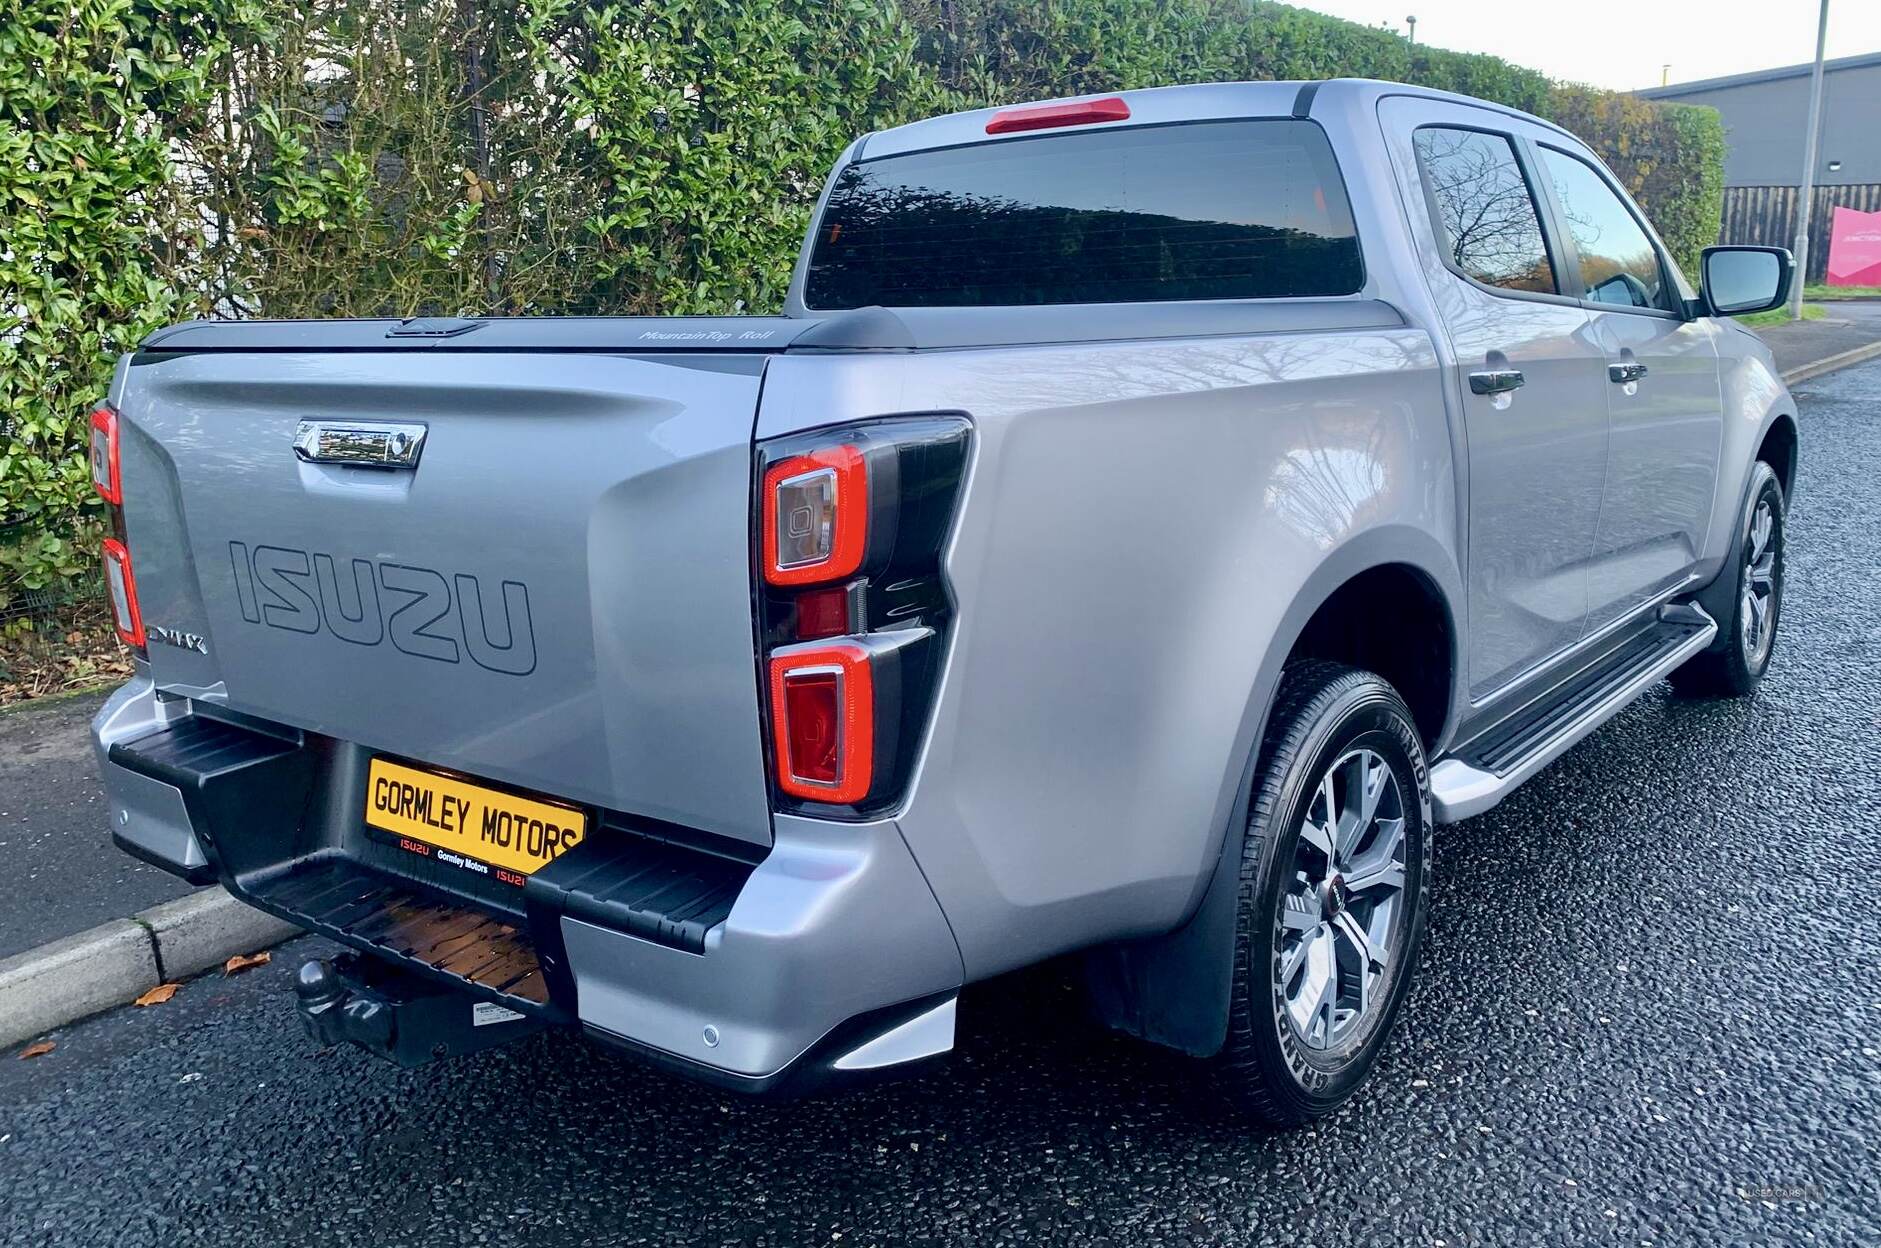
(178, 638)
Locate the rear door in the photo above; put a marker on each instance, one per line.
(1537, 434)
(1666, 412)
(555, 595)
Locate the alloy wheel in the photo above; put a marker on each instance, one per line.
(1757, 613)
(1341, 918)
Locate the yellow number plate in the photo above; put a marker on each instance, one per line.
(518, 834)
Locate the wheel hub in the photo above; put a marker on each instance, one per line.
(1333, 897)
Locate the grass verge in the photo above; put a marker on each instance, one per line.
(1817, 290)
(1781, 316)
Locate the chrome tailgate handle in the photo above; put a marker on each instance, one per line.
(362, 444)
(1497, 381)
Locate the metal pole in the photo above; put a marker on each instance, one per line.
(1807, 198)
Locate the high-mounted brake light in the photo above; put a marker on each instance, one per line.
(125, 615)
(823, 718)
(1050, 116)
(816, 516)
(104, 456)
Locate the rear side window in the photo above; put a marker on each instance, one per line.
(1618, 263)
(1490, 224)
(1212, 210)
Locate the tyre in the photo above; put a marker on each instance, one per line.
(1732, 666)
(1333, 881)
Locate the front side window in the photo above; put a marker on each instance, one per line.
(1618, 262)
(1490, 224)
(1210, 210)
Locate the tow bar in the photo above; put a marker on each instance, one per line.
(399, 1017)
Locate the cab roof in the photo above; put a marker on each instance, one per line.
(1207, 101)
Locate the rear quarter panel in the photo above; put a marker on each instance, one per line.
(1145, 528)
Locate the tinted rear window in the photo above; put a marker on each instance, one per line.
(1217, 210)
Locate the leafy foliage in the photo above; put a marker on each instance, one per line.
(161, 159)
(94, 239)
(1670, 157)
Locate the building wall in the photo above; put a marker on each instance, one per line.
(1764, 123)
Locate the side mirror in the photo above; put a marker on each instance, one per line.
(1737, 280)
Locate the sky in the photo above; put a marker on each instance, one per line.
(1623, 44)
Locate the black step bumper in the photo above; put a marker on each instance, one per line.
(645, 935)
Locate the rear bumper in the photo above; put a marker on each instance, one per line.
(827, 958)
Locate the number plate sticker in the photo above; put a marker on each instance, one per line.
(455, 820)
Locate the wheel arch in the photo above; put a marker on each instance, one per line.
(1173, 989)
(1779, 447)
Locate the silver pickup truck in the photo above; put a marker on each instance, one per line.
(1150, 516)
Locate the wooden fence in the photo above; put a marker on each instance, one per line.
(1766, 215)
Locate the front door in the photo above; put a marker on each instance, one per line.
(1532, 378)
(1666, 411)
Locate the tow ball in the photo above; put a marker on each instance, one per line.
(397, 1016)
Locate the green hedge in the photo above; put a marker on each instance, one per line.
(92, 227)
(988, 51)
(1670, 156)
(168, 158)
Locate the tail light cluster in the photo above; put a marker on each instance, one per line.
(107, 479)
(852, 606)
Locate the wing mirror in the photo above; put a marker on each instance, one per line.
(1737, 280)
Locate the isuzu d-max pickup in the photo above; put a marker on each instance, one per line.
(1150, 516)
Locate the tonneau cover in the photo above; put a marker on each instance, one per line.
(859, 329)
(510, 334)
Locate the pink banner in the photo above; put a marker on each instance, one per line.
(1855, 248)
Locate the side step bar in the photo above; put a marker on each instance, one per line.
(1488, 768)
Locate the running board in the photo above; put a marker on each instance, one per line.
(1488, 767)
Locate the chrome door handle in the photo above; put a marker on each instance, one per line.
(1620, 374)
(1497, 381)
(361, 444)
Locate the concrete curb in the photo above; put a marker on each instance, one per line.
(1828, 364)
(115, 962)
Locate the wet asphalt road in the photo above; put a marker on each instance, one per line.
(1650, 1013)
(63, 873)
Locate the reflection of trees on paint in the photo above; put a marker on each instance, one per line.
(1488, 215)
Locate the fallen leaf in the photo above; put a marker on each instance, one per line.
(157, 995)
(245, 961)
(37, 1049)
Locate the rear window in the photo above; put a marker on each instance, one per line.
(1214, 210)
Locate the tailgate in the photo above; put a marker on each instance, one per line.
(556, 596)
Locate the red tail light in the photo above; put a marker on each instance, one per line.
(1051, 116)
(823, 613)
(816, 516)
(104, 456)
(852, 606)
(123, 586)
(823, 718)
